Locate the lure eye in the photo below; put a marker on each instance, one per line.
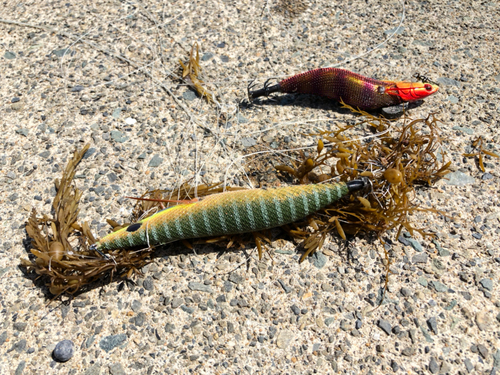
(133, 227)
(428, 87)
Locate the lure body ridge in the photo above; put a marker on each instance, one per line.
(352, 88)
(229, 213)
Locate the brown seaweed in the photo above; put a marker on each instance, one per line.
(397, 161)
(480, 152)
(191, 72)
(60, 245)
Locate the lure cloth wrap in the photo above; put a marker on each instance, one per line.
(340, 84)
(227, 213)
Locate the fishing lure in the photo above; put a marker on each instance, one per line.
(229, 213)
(351, 88)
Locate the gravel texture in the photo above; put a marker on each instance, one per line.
(63, 85)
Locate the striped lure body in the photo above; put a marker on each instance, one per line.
(229, 213)
(352, 88)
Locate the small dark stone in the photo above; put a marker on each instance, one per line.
(483, 350)
(20, 368)
(63, 351)
(3, 337)
(207, 56)
(136, 305)
(176, 302)
(77, 88)
(116, 369)
(404, 241)
(155, 161)
(487, 176)
(285, 287)
(235, 278)
(221, 45)
(394, 366)
(432, 324)
(19, 346)
(20, 326)
(477, 236)
(385, 326)
(139, 319)
(468, 365)
(15, 100)
(295, 309)
(187, 309)
(433, 366)
(108, 343)
(420, 258)
(169, 328)
(487, 284)
(148, 283)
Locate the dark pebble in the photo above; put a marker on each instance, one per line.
(20, 326)
(77, 88)
(295, 309)
(139, 319)
(394, 366)
(63, 351)
(385, 326)
(477, 236)
(404, 241)
(207, 56)
(3, 337)
(19, 346)
(15, 100)
(433, 366)
(468, 365)
(108, 343)
(285, 287)
(487, 284)
(176, 302)
(221, 45)
(187, 309)
(20, 368)
(148, 283)
(483, 350)
(169, 328)
(419, 258)
(235, 278)
(432, 323)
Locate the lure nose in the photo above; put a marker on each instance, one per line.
(357, 185)
(411, 91)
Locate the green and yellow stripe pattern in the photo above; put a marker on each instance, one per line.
(226, 213)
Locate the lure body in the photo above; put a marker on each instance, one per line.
(229, 213)
(352, 88)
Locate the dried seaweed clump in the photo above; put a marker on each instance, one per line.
(60, 246)
(191, 72)
(480, 152)
(397, 159)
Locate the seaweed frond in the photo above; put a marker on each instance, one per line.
(60, 247)
(397, 159)
(191, 72)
